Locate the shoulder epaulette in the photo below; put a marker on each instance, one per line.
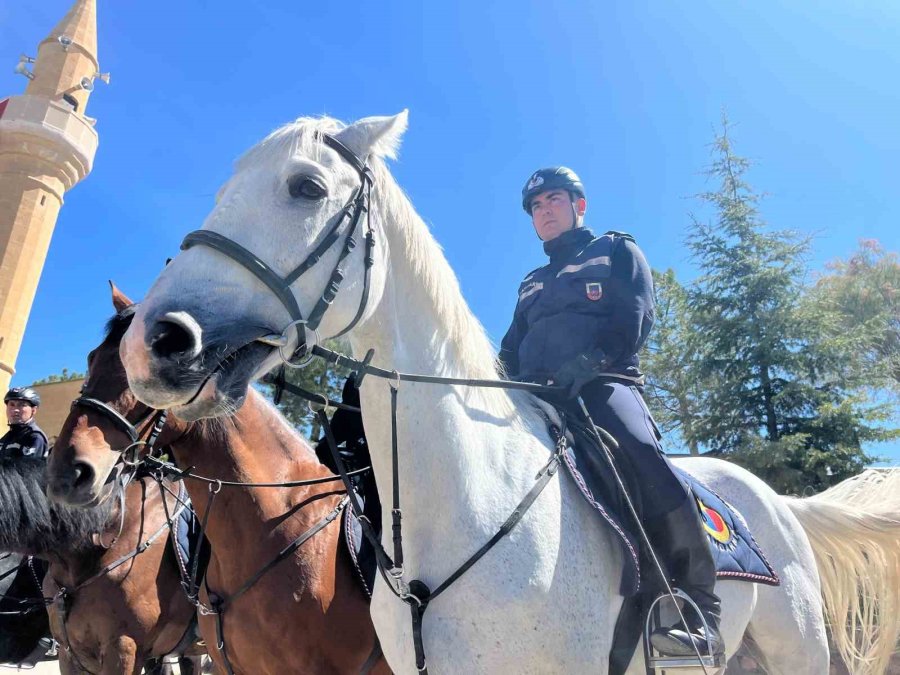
(623, 235)
(531, 273)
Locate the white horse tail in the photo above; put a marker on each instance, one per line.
(854, 529)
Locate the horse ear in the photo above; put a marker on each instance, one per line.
(119, 299)
(379, 136)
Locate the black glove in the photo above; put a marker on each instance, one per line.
(577, 372)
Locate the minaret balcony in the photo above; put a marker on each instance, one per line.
(49, 130)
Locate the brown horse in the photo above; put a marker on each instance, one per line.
(305, 614)
(122, 609)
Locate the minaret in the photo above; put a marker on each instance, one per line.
(47, 145)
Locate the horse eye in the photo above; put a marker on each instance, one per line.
(306, 188)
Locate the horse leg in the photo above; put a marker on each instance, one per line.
(120, 658)
(190, 665)
(788, 624)
(66, 664)
(788, 627)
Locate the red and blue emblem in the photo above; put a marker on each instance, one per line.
(714, 524)
(593, 290)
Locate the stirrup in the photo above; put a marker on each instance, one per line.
(659, 663)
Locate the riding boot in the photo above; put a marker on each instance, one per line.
(681, 544)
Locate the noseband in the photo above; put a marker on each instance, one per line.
(351, 214)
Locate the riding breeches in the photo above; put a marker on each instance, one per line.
(620, 409)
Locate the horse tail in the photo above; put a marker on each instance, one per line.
(854, 530)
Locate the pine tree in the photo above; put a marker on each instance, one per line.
(773, 398)
(674, 391)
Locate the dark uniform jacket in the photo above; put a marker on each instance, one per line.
(24, 440)
(595, 297)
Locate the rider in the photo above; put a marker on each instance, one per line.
(24, 438)
(579, 323)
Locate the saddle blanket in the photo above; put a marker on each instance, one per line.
(736, 553)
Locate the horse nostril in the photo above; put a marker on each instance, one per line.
(171, 340)
(83, 475)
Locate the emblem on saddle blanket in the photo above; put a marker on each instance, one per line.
(714, 524)
(593, 290)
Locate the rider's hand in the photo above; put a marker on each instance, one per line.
(577, 372)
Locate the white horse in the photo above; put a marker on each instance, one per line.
(545, 599)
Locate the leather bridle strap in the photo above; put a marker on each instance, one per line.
(354, 210)
(111, 414)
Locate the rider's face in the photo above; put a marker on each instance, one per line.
(19, 412)
(553, 212)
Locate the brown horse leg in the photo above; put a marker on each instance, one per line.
(120, 658)
(66, 664)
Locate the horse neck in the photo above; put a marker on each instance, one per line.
(454, 442)
(256, 445)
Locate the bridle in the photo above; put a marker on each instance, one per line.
(345, 225)
(127, 465)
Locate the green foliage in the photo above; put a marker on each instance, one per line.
(319, 377)
(862, 294)
(64, 376)
(751, 364)
(674, 390)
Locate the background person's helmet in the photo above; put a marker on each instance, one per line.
(553, 178)
(23, 394)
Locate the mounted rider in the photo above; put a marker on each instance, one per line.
(24, 438)
(579, 323)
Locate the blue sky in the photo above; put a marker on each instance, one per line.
(627, 93)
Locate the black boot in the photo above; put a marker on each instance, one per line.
(681, 544)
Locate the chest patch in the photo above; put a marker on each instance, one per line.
(593, 290)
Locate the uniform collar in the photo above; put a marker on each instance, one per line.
(568, 243)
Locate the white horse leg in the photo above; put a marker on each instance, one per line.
(787, 625)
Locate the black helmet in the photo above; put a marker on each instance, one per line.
(23, 394)
(553, 178)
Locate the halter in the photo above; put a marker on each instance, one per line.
(351, 213)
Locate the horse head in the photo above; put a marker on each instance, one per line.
(290, 226)
(90, 444)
